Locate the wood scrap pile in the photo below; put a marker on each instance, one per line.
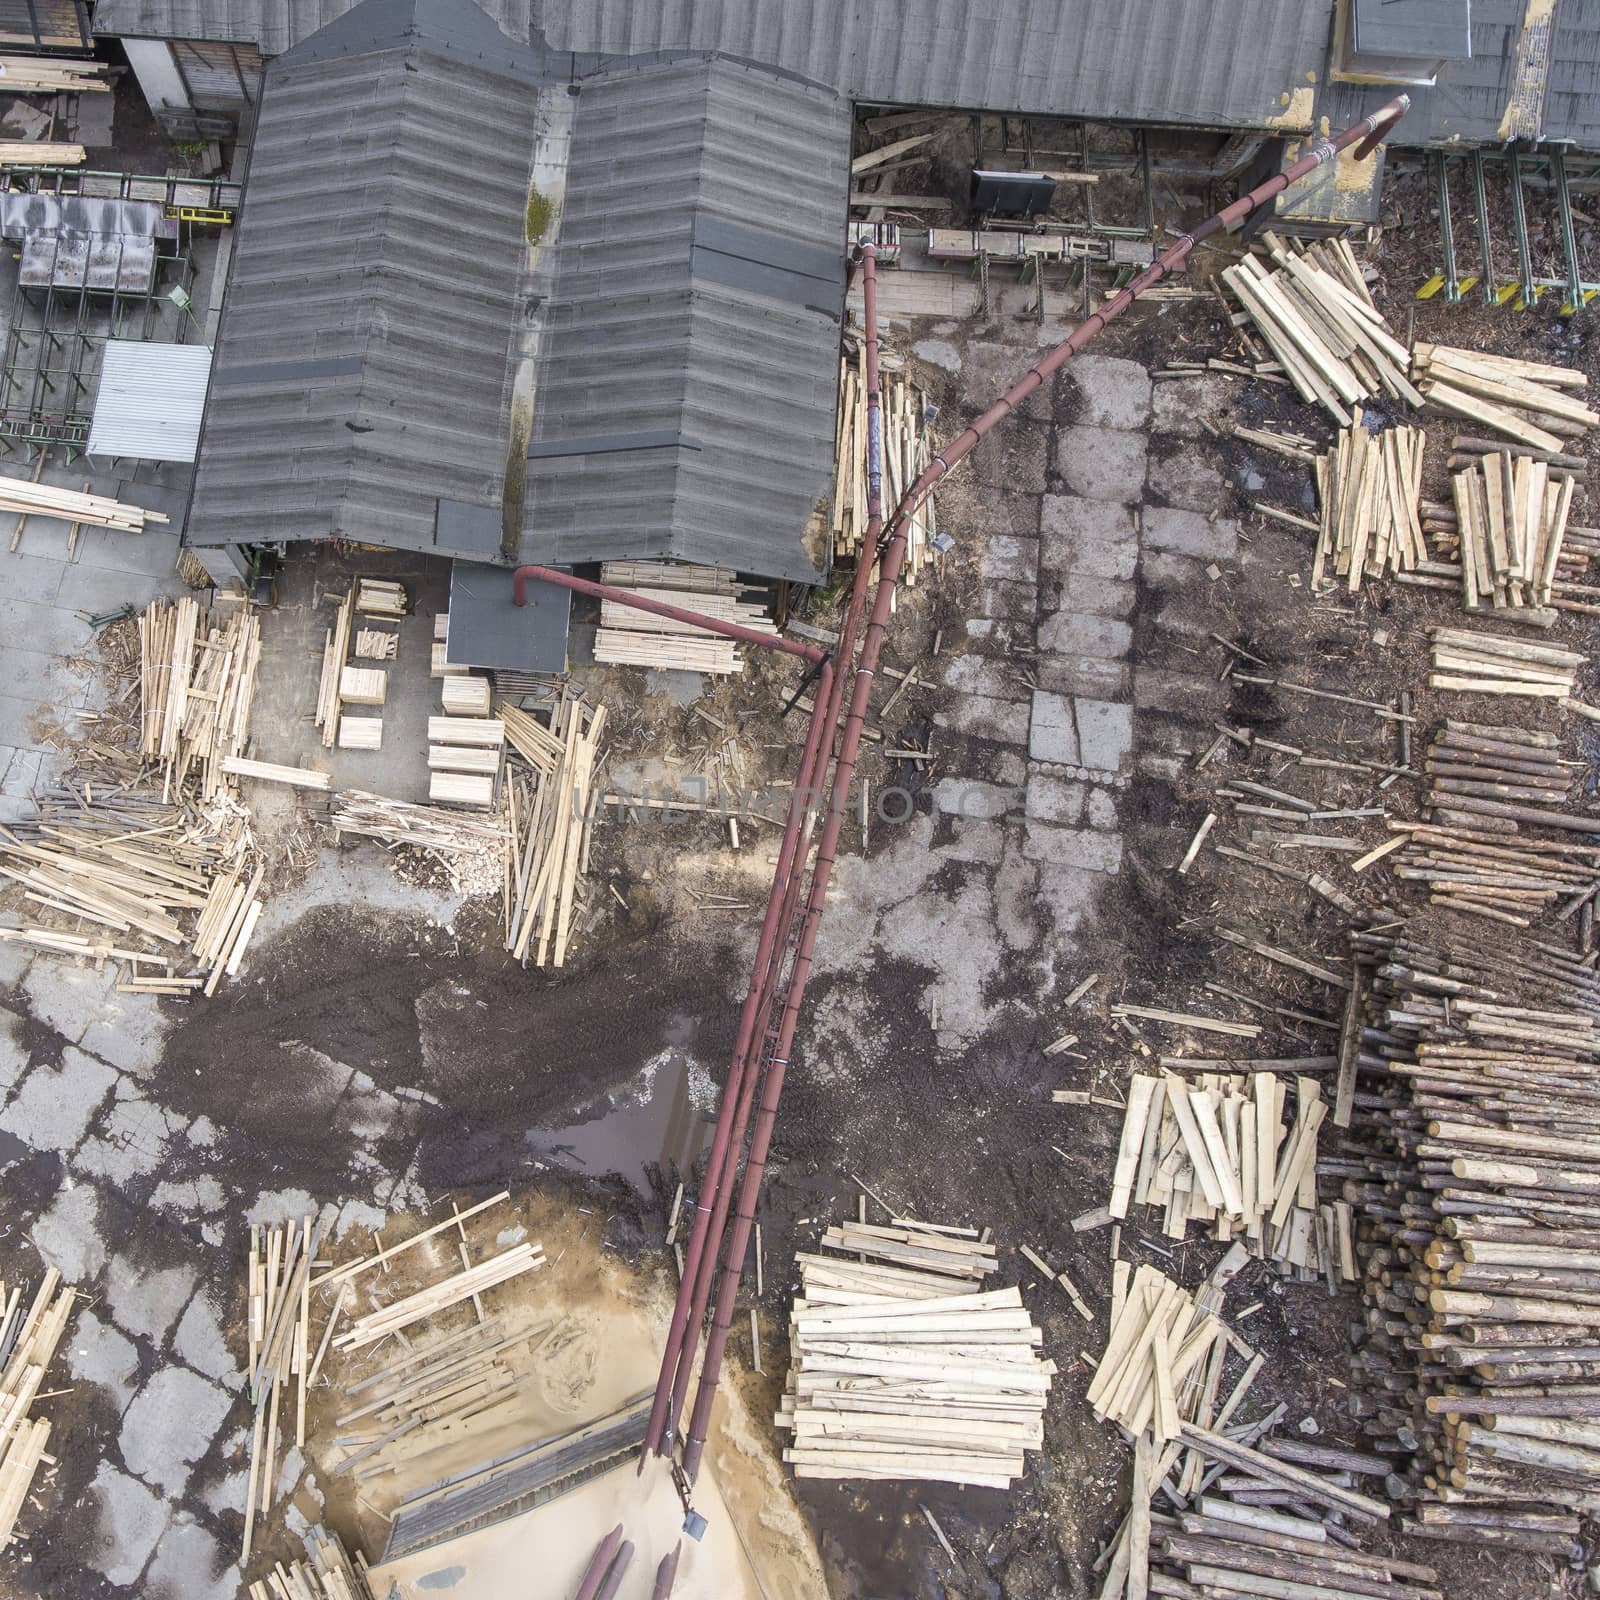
(27, 498)
(638, 638)
(471, 849)
(1217, 1150)
(908, 447)
(905, 1367)
(1489, 663)
(1528, 401)
(1316, 316)
(327, 1573)
(1479, 1233)
(28, 1342)
(1511, 519)
(551, 794)
(197, 680)
(1369, 485)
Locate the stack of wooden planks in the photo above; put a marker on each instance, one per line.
(27, 498)
(471, 849)
(464, 694)
(1488, 663)
(363, 686)
(1321, 324)
(551, 793)
(335, 652)
(22, 154)
(380, 597)
(905, 1367)
(52, 75)
(197, 680)
(1475, 1182)
(28, 1342)
(637, 638)
(1511, 520)
(907, 448)
(1216, 1150)
(327, 1573)
(1525, 400)
(1369, 485)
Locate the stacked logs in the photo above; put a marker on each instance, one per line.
(1487, 663)
(1478, 1194)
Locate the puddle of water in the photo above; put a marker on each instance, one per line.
(653, 1121)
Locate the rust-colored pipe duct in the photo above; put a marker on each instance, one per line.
(666, 1574)
(598, 1563)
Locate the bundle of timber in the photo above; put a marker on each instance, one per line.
(197, 679)
(1369, 486)
(1320, 322)
(1216, 1150)
(908, 447)
(27, 1347)
(551, 792)
(51, 75)
(639, 638)
(1479, 1234)
(72, 505)
(471, 849)
(905, 1367)
(168, 889)
(1489, 663)
(376, 644)
(1511, 520)
(335, 652)
(22, 154)
(381, 598)
(327, 1573)
(1525, 400)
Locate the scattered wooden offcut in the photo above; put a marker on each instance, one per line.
(1369, 487)
(28, 1342)
(327, 1573)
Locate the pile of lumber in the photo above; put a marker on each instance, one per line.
(551, 796)
(1488, 663)
(335, 652)
(376, 644)
(471, 849)
(379, 597)
(1511, 519)
(1528, 401)
(905, 1367)
(1216, 1149)
(1475, 1184)
(27, 498)
(1316, 316)
(1369, 486)
(464, 694)
(907, 448)
(327, 1573)
(638, 638)
(17, 153)
(52, 75)
(197, 680)
(468, 1284)
(28, 1342)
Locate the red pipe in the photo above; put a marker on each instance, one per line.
(1367, 134)
(595, 1571)
(619, 1570)
(697, 1285)
(666, 1574)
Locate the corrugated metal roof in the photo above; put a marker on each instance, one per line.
(686, 387)
(361, 368)
(150, 400)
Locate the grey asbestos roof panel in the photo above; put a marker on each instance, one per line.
(686, 387)
(361, 367)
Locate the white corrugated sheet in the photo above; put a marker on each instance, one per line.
(151, 399)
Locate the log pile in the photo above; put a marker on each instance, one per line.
(28, 1342)
(72, 505)
(638, 638)
(1218, 1150)
(1528, 401)
(1511, 520)
(470, 849)
(327, 1573)
(904, 1367)
(1369, 485)
(1479, 1234)
(1316, 316)
(1489, 663)
(551, 794)
(907, 448)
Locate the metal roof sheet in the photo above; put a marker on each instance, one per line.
(150, 400)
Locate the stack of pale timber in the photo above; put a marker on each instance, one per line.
(71, 505)
(907, 448)
(335, 652)
(28, 1342)
(638, 638)
(1369, 488)
(21, 154)
(441, 668)
(551, 796)
(1511, 519)
(51, 75)
(1488, 663)
(471, 849)
(360, 733)
(905, 1367)
(376, 644)
(1321, 324)
(381, 598)
(465, 694)
(1535, 404)
(283, 1362)
(1477, 1186)
(1217, 1150)
(363, 686)
(327, 1573)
